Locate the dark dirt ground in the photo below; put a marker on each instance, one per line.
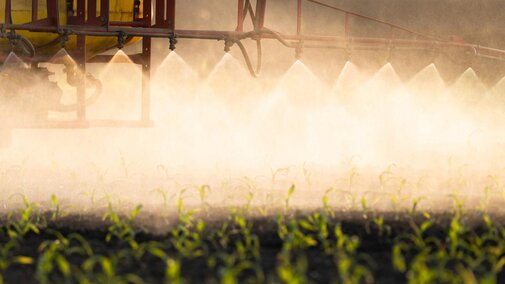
(321, 268)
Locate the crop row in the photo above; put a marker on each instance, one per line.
(313, 247)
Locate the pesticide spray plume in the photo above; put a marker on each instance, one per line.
(373, 138)
(366, 132)
(13, 61)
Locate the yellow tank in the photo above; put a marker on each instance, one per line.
(46, 43)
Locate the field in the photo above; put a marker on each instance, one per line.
(367, 179)
(40, 243)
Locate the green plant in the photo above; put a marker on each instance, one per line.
(56, 207)
(292, 271)
(8, 257)
(27, 221)
(347, 260)
(291, 191)
(203, 191)
(53, 264)
(326, 203)
(173, 271)
(122, 229)
(103, 269)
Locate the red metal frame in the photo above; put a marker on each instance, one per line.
(99, 25)
(86, 22)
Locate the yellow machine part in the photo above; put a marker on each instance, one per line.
(46, 43)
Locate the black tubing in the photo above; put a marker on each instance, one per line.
(259, 54)
(252, 71)
(27, 45)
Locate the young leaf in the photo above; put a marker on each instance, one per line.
(23, 260)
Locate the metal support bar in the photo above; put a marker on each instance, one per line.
(93, 18)
(160, 13)
(81, 10)
(260, 14)
(53, 12)
(234, 35)
(35, 10)
(8, 12)
(164, 27)
(104, 12)
(299, 18)
(240, 16)
(165, 14)
(372, 19)
(299, 48)
(80, 58)
(147, 13)
(170, 14)
(146, 80)
(146, 66)
(248, 8)
(346, 25)
(91, 12)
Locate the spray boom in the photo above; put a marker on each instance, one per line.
(77, 24)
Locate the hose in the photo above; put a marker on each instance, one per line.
(27, 45)
(248, 9)
(278, 37)
(264, 30)
(253, 34)
(259, 51)
(50, 43)
(252, 71)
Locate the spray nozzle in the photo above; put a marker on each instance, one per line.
(3, 32)
(299, 50)
(228, 43)
(173, 42)
(121, 39)
(13, 38)
(63, 37)
(390, 50)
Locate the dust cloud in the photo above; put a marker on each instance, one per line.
(362, 134)
(356, 131)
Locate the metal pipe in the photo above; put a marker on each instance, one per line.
(91, 11)
(240, 16)
(104, 11)
(260, 14)
(247, 59)
(8, 12)
(35, 10)
(372, 19)
(126, 24)
(81, 9)
(223, 35)
(249, 8)
(299, 18)
(147, 12)
(346, 25)
(170, 10)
